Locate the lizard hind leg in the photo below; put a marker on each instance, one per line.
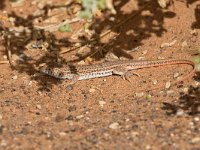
(73, 79)
(123, 72)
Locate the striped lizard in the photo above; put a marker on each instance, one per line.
(82, 72)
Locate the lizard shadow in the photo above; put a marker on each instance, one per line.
(188, 102)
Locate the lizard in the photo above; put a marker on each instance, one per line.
(82, 72)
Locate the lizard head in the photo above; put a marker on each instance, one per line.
(57, 72)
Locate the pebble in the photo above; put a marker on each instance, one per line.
(17, 34)
(163, 3)
(70, 117)
(15, 77)
(62, 133)
(184, 44)
(81, 62)
(148, 97)
(139, 94)
(12, 19)
(3, 143)
(176, 75)
(79, 117)
(163, 45)
(185, 90)
(19, 29)
(148, 147)
(170, 92)
(101, 103)
(92, 90)
(154, 81)
(141, 58)
(69, 87)
(30, 83)
(167, 85)
(180, 112)
(144, 52)
(112, 18)
(41, 5)
(195, 140)
(38, 106)
(196, 119)
(161, 58)
(5, 57)
(134, 134)
(194, 32)
(17, 3)
(114, 125)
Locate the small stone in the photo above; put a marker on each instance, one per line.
(101, 103)
(12, 19)
(184, 44)
(19, 29)
(30, 83)
(197, 83)
(163, 45)
(176, 75)
(70, 117)
(167, 85)
(195, 140)
(62, 133)
(134, 134)
(41, 5)
(110, 57)
(191, 124)
(112, 18)
(180, 112)
(154, 81)
(3, 143)
(17, 3)
(17, 34)
(161, 58)
(144, 52)
(5, 57)
(170, 92)
(194, 32)
(1, 117)
(148, 147)
(69, 87)
(196, 119)
(148, 97)
(186, 89)
(141, 58)
(38, 106)
(139, 94)
(15, 77)
(114, 125)
(59, 117)
(79, 117)
(81, 62)
(92, 90)
(163, 3)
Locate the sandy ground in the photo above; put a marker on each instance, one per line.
(41, 112)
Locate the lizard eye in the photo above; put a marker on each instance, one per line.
(60, 74)
(48, 70)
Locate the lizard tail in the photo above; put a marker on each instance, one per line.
(184, 78)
